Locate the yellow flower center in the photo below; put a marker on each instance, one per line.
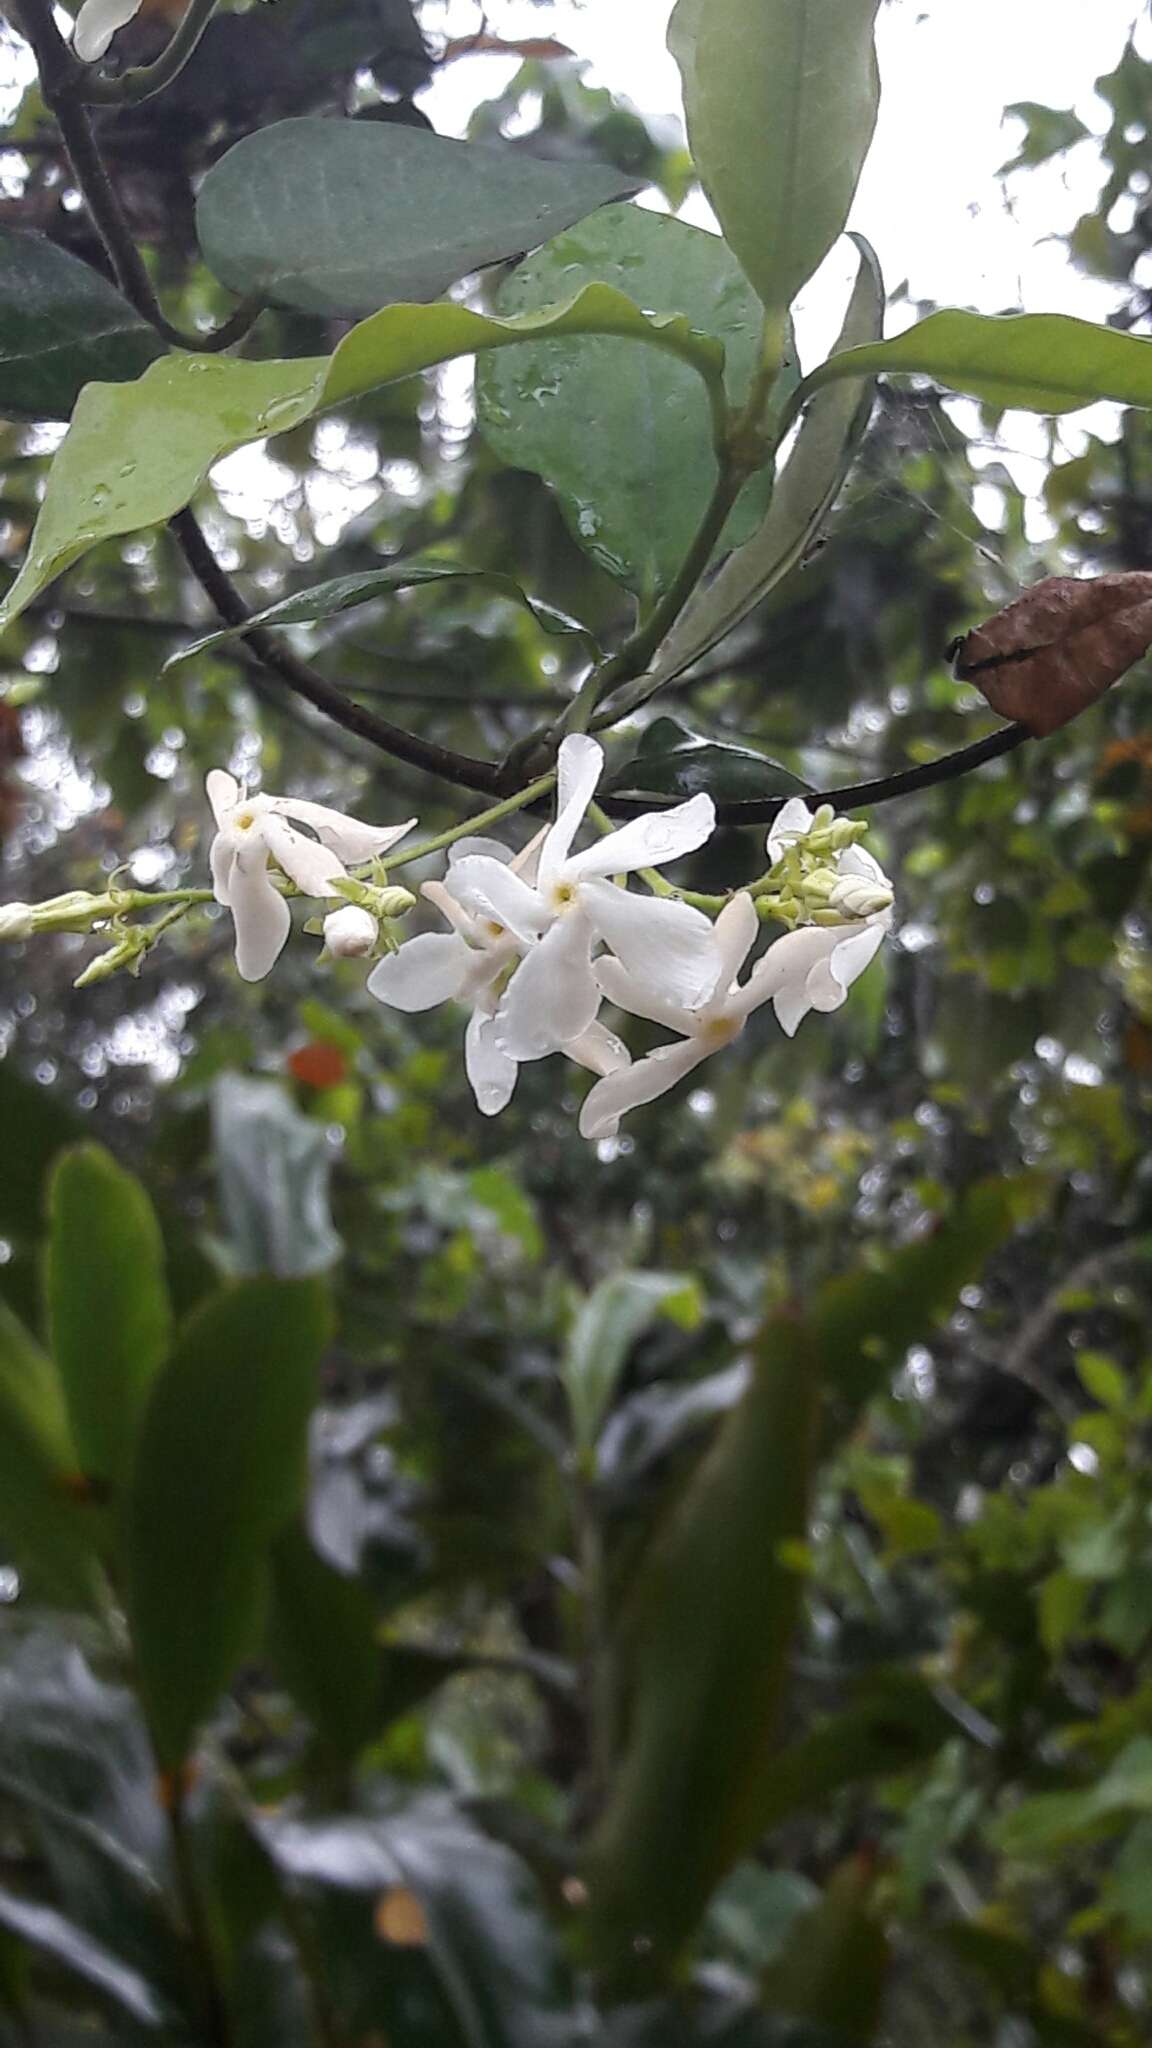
(494, 930)
(563, 895)
(722, 1030)
(244, 820)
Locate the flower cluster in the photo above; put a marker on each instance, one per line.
(535, 944)
(539, 943)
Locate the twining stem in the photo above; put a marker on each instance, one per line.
(134, 86)
(523, 797)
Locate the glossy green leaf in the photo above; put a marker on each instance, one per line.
(894, 1721)
(220, 1469)
(74, 1950)
(343, 593)
(136, 453)
(345, 216)
(45, 1529)
(608, 1323)
(62, 325)
(674, 761)
(107, 1304)
(780, 98)
(707, 1636)
(1043, 362)
(807, 488)
(273, 1167)
(624, 435)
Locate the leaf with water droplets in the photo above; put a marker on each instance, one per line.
(623, 435)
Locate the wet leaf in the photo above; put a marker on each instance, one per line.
(52, 1935)
(136, 453)
(673, 761)
(625, 435)
(346, 216)
(1054, 651)
(608, 1324)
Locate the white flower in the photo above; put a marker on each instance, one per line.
(824, 960)
(350, 932)
(96, 24)
(812, 968)
(552, 998)
(470, 965)
(252, 829)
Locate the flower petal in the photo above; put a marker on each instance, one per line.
(612, 1098)
(791, 822)
(262, 918)
(735, 932)
(579, 766)
(831, 978)
(461, 920)
(599, 1049)
(489, 889)
(475, 843)
(638, 999)
(347, 837)
(223, 793)
(221, 860)
(781, 975)
(648, 841)
(97, 23)
(490, 1070)
(661, 941)
(305, 862)
(427, 970)
(552, 997)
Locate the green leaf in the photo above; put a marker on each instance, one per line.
(323, 1642)
(345, 216)
(74, 1950)
(673, 761)
(780, 98)
(136, 453)
(1101, 1377)
(895, 1720)
(1042, 362)
(62, 325)
(623, 435)
(220, 1468)
(107, 1305)
(835, 1966)
(708, 1632)
(806, 491)
(273, 1166)
(343, 593)
(45, 1529)
(610, 1321)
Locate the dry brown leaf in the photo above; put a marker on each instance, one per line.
(1051, 653)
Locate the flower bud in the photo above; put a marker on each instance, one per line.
(350, 933)
(856, 896)
(17, 920)
(128, 951)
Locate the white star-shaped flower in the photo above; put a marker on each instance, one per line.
(552, 997)
(826, 959)
(96, 24)
(471, 964)
(812, 968)
(251, 830)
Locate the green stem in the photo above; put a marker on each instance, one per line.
(635, 653)
(138, 84)
(217, 2029)
(523, 797)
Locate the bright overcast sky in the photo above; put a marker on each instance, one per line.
(930, 199)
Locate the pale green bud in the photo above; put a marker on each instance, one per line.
(125, 953)
(17, 920)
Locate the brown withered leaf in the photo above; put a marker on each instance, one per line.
(1051, 653)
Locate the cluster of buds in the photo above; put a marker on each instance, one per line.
(364, 924)
(820, 874)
